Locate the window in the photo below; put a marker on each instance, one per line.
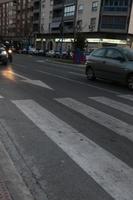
(94, 6)
(98, 53)
(113, 54)
(114, 22)
(81, 7)
(116, 5)
(92, 24)
(128, 53)
(69, 11)
(79, 25)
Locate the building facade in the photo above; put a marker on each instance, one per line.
(16, 20)
(7, 19)
(103, 22)
(24, 17)
(36, 15)
(53, 22)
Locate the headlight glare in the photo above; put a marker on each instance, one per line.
(9, 51)
(3, 53)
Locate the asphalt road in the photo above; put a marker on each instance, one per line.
(62, 137)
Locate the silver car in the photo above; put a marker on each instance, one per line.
(111, 63)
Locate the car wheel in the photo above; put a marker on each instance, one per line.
(130, 82)
(90, 74)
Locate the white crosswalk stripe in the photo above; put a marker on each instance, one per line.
(114, 104)
(1, 97)
(108, 121)
(113, 175)
(128, 97)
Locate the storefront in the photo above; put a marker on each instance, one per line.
(57, 43)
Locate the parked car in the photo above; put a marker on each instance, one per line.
(24, 51)
(39, 52)
(31, 50)
(111, 63)
(50, 53)
(3, 56)
(58, 54)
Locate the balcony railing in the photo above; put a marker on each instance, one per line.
(69, 2)
(56, 19)
(116, 8)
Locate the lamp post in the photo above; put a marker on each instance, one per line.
(62, 27)
(75, 20)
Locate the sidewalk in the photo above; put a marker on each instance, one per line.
(4, 193)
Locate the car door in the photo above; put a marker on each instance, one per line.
(97, 61)
(114, 65)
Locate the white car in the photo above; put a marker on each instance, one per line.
(31, 50)
(50, 53)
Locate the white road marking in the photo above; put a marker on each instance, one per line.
(13, 178)
(79, 82)
(128, 97)
(33, 82)
(114, 104)
(113, 175)
(108, 121)
(40, 61)
(38, 83)
(77, 74)
(1, 97)
(20, 76)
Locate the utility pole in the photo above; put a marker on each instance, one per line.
(75, 20)
(62, 27)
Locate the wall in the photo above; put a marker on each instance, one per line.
(130, 30)
(87, 14)
(46, 7)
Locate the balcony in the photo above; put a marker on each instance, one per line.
(58, 6)
(68, 18)
(69, 2)
(115, 10)
(56, 19)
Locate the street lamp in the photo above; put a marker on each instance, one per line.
(75, 20)
(62, 28)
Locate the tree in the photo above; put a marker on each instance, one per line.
(79, 41)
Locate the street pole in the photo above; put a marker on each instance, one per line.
(75, 20)
(62, 28)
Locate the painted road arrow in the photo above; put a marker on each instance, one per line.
(33, 82)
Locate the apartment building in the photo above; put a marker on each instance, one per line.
(103, 22)
(36, 16)
(16, 20)
(46, 16)
(7, 18)
(64, 18)
(116, 17)
(24, 17)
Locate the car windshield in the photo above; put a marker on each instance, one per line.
(128, 53)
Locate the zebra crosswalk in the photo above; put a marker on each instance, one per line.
(110, 172)
(116, 125)
(114, 104)
(128, 97)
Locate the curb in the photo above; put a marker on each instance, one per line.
(58, 62)
(4, 193)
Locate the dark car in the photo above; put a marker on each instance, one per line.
(3, 56)
(111, 63)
